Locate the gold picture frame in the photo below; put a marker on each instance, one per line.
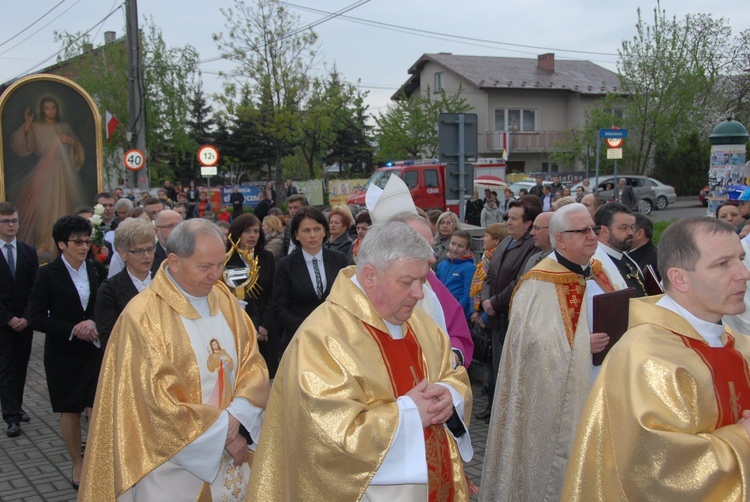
(50, 153)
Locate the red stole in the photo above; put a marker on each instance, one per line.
(405, 365)
(729, 371)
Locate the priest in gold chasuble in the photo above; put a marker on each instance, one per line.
(669, 415)
(181, 375)
(546, 366)
(366, 404)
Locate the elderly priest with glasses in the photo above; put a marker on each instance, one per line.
(546, 366)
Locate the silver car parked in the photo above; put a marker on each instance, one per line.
(651, 193)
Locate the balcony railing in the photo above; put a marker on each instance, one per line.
(536, 141)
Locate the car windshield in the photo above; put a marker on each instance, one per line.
(380, 178)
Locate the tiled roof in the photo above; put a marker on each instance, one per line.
(486, 72)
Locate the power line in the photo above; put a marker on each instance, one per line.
(417, 30)
(40, 28)
(32, 24)
(328, 16)
(74, 41)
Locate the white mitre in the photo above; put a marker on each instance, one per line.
(384, 204)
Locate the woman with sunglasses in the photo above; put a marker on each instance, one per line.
(62, 307)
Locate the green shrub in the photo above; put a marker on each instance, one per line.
(659, 228)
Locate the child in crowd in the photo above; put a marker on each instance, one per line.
(457, 271)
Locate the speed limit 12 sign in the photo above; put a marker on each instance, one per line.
(134, 160)
(208, 155)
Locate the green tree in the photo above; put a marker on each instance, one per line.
(409, 127)
(333, 126)
(170, 78)
(683, 164)
(274, 55)
(670, 72)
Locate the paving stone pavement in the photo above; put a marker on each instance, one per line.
(35, 466)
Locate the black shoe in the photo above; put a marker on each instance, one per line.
(485, 414)
(75, 484)
(25, 417)
(14, 430)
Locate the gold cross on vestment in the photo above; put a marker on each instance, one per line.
(233, 478)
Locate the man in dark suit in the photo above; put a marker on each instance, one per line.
(17, 273)
(264, 205)
(644, 251)
(627, 195)
(506, 266)
(537, 189)
(293, 204)
(165, 222)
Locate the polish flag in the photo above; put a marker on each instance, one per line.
(111, 124)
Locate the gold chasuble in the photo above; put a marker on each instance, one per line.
(403, 359)
(332, 415)
(543, 381)
(149, 402)
(660, 423)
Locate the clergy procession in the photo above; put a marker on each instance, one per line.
(304, 354)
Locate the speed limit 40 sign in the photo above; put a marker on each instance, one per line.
(134, 160)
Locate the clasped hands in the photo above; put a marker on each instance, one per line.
(86, 331)
(434, 402)
(236, 445)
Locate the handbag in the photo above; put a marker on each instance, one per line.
(482, 344)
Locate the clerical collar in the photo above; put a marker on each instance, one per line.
(573, 267)
(396, 331)
(199, 303)
(610, 251)
(709, 331)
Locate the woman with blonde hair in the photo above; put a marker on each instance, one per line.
(273, 228)
(447, 223)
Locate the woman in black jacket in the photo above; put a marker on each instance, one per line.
(304, 278)
(62, 307)
(134, 242)
(247, 235)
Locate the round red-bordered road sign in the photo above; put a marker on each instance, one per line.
(208, 155)
(134, 160)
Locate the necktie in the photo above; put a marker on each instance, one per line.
(318, 280)
(11, 260)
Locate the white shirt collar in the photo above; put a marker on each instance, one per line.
(70, 267)
(709, 331)
(309, 257)
(12, 243)
(611, 252)
(139, 284)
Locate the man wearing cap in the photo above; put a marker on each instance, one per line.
(744, 208)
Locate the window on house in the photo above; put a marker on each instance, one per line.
(515, 120)
(438, 83)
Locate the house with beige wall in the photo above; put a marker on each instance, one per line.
(537, 101)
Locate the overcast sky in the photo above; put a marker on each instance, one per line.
(376, 56)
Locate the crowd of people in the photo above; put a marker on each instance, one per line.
(166, 324)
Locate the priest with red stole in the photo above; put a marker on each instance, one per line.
(366, 404)
(669, 415)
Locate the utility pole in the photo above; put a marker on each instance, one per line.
(136, 134)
